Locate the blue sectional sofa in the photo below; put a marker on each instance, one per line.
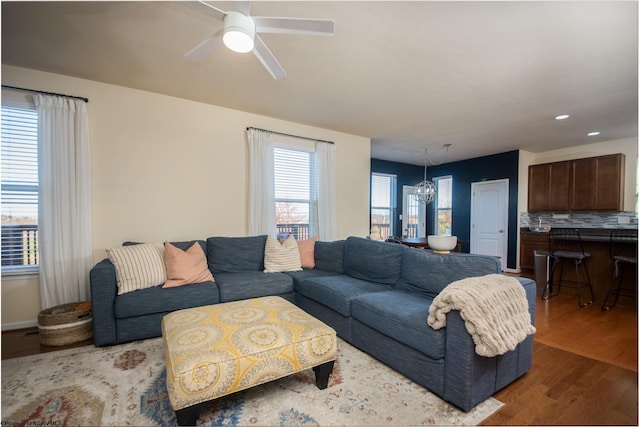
(376, 296)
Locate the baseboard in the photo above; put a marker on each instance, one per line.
(512, 270)
(19, 325)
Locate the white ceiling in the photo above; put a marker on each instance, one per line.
(486, 77)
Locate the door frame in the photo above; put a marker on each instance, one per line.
(504, 190)
(422, 214)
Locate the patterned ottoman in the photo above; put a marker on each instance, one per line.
(215, 350)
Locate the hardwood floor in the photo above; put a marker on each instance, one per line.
(584, 372)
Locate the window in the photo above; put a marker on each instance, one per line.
(294, 193)
(19, 196)
(443, 204)
(383, 203)
(413, 213)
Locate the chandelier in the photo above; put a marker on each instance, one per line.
(426, 190)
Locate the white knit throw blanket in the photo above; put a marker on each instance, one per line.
(494, 308)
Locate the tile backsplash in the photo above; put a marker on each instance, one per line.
(581, 219)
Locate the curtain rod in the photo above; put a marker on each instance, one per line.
(45, 93)
(288, 134)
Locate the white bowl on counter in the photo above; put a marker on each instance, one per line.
(442, 244)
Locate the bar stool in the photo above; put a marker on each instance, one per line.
(565, 246)
(623, 255)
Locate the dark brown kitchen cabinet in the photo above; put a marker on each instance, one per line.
(598, 183)
(590, 184)
(549, 185)
(538, 187)
(530, 242)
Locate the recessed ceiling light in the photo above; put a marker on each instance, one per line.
(593, 134)
(562, 117)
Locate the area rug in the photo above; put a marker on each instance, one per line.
(125, 385)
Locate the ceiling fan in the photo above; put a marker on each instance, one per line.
(240, 32)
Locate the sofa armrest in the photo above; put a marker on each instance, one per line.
(104, 288)
(469, 378)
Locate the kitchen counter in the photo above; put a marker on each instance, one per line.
(586, 234)
(596, 241)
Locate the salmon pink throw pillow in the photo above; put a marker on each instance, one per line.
(185, 267)
(306, 248)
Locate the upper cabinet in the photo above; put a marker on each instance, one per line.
(591, 184)
(549, 186)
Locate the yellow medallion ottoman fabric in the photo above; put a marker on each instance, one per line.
(215, 350)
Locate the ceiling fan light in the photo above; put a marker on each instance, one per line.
(239, 32)
(238, 41)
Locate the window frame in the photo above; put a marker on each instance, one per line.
(393, 179)
(438, 210)
(312, 225)
(19, 100)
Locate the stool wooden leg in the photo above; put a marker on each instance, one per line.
(188, 416)
(322, 374)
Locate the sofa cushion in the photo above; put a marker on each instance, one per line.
(403, 317)
(252, 284)
(279, 257)
(329, 256)
(184, 245)
(236, 254)
(308, 273)
(188, 243)
(428, 274)
(185, 267)
(372, 260)
(336, 292)
(160, 300)
(138, 266)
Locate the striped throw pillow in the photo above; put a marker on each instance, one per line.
(138, 266)
(281, 257)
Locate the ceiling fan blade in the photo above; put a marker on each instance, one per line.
(269, 24)
(205, 47)
(205, 8)
(267, 59)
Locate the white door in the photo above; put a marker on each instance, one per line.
(490, 218)
(414, 213)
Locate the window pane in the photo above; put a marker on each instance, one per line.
(292, 213)
(444, 192)
(444, 222)
(295, 214)
(411, 217)
(382, 203)
(292, 174)
(19, 198)
(444, 203)
(381, 191)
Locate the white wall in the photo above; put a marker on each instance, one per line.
(166, 168)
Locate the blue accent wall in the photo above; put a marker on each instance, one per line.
(497, 166)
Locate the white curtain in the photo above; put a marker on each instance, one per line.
(326, 181)
(64, 206)
(262, 203)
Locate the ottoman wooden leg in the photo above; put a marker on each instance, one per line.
(322, 374)
(188, 416)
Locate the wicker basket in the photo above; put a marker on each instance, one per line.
(65, 324)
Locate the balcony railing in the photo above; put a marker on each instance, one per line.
(299, 231)
(411, 231)
(19, 245)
